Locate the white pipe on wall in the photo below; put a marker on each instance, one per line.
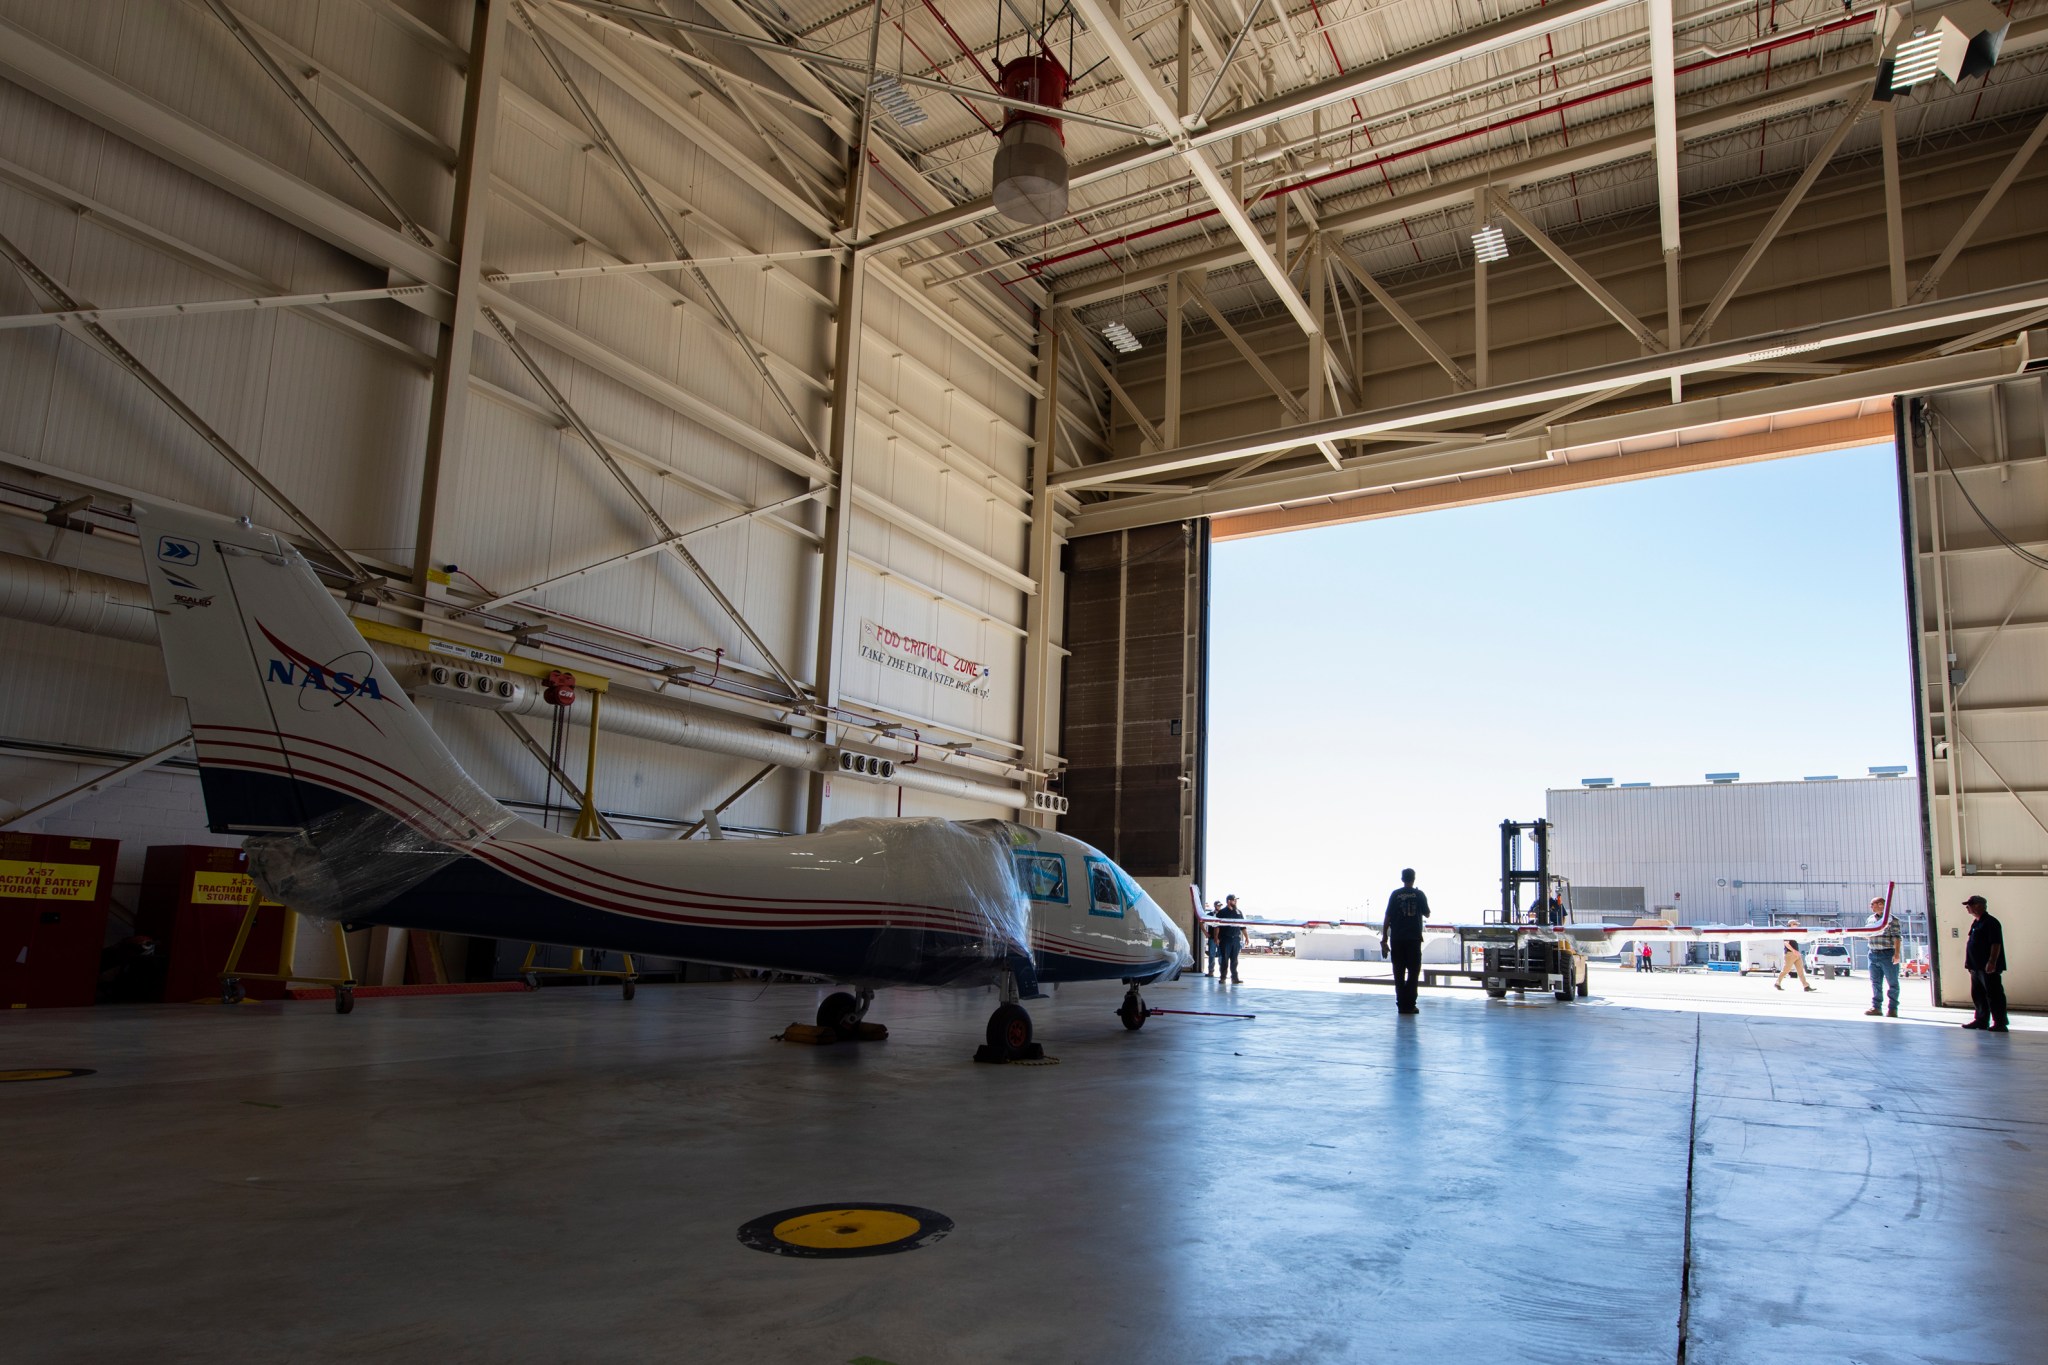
(48, 594)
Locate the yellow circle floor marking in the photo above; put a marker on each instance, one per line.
(847, 1228)
(836, 1230)
(43, 1073)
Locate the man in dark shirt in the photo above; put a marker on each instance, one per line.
(1401, 940)
(1985, 957)
(1227, 942)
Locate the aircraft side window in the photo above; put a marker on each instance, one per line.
(1044, 875)
(1105, 897)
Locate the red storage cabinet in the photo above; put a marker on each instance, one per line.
(193, 900)
(53, 917)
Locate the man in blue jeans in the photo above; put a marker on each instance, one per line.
(1885, 951)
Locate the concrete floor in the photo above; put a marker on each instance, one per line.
(560, 1177)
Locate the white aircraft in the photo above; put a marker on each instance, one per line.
(357, 812)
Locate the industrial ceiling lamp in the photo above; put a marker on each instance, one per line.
(1031, 163)
(1490, 243)
(1122, 338)
(897, 102)
(1955, 41)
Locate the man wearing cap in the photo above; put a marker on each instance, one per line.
(1227, 944)
(1401, 940)
(1885, 953)
(1985, 957)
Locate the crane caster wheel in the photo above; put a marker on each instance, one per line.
(233, 992)
(532, 980)
(626, 991)
(344, 999)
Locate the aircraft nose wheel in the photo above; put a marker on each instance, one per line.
(1132, 1011)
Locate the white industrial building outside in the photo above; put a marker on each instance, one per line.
(1733, 852)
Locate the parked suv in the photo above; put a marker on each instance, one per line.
(1830, 960)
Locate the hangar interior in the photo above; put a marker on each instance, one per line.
(684, 375)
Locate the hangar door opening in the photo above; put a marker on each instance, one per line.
(1976, 461)
(1699, 681)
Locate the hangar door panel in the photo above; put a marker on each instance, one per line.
(1974, 464)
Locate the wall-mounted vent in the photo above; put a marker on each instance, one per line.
(470, 687)
(866, 765)
(1596, 782)
(1722, 779)
(1889, 770)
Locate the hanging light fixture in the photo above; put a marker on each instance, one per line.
(1031, 162)
(1122, 338)
(1953, 41)
(897, 102)
(1490, 243)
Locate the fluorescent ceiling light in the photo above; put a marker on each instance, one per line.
(890, 94)
(1490, 244)
(1918, 58)
(1120, 337)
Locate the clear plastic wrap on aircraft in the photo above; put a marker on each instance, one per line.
(964, 867)
(351, 860)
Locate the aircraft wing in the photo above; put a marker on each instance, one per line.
(1588, 935)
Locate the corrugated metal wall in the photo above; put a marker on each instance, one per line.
(1745, 852)
(332, 403)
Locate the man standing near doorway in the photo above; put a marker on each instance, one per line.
(1227, 942)
(1885, 953)
(1985, 957)
(1401, 940)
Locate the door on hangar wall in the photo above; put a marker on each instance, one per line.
(1973, 469)
(1134, 709)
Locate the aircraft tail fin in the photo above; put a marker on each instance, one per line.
(299, 725)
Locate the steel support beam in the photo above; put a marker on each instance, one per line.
(1041, 554)
(672, 541)
(1361, 80)
(1857, 103)
(1925, 289)
(667, 229)
(1579, 276)
(1176, 328)
(1482, 370)
(1894, 212)
(1108, 30)
(1415, 330)
(93, 786)
(1863, 330)
(1244, 349)
(1664, 125)
(359, 575)
(1116, 390)
(448, 404)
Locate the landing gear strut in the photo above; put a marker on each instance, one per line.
(1009, 1029)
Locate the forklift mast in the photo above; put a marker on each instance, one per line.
(1514, 876)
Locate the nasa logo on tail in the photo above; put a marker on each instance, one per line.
(340, 682)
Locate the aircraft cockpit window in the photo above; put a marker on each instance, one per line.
(1044, 875)
(1105, 893)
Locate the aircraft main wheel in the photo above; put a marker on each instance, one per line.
(344, 999)
(1009, 1030)
(1133, 1012)
(838, 1010)
(626, 990)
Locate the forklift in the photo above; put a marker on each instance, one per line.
(1516, 953)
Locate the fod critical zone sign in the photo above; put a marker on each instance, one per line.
(922, 659)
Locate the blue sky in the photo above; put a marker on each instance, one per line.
(1385, 694)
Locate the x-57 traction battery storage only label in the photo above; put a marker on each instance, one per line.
(48, 881)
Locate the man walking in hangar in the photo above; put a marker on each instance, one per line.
(1401, 940)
